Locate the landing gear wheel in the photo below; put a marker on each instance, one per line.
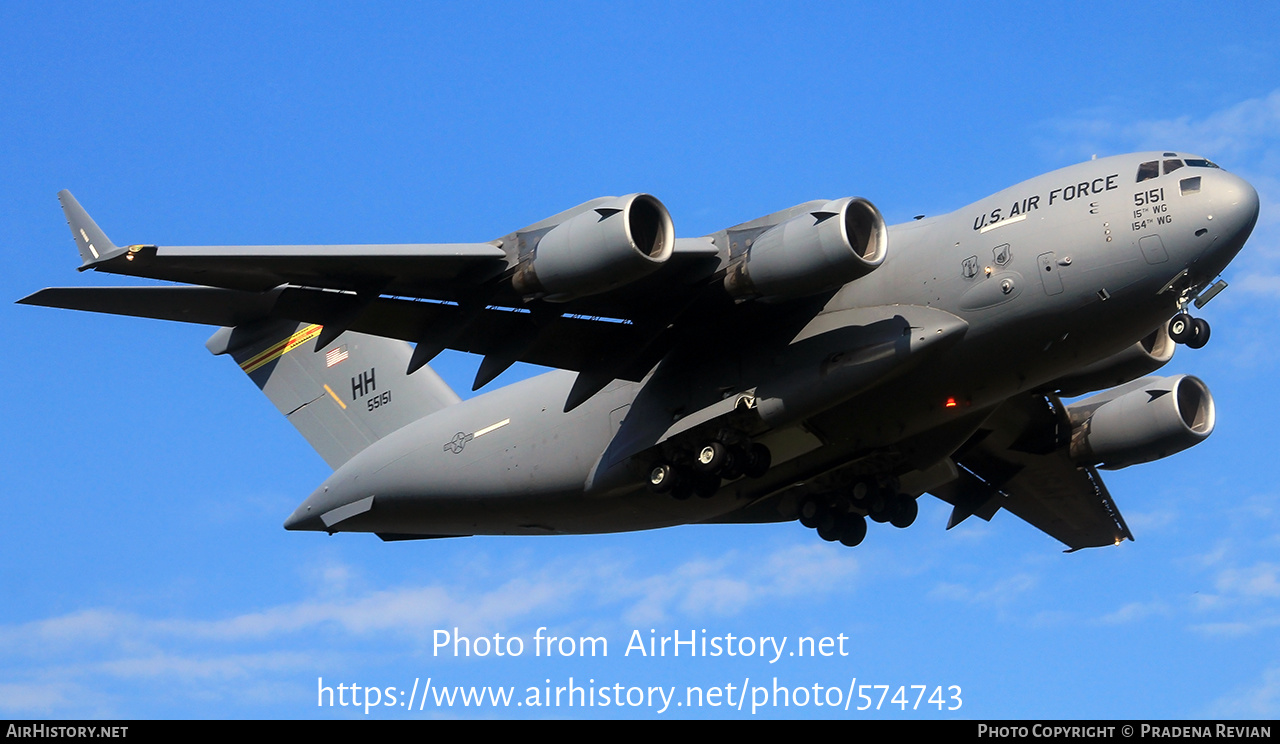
(905, 510)
(1182, 328)
(829, 528)
(880, 507)
(861, 493)
(853, 530)
(706, 485)
(1200, 333)
(811, 511)
(758, 461)
(663, 478)
(737, 463)
(712, 458)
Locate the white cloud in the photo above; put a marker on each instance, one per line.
(1236, 134)
(1243, 135)
(734, 581)
(98, 647)
(36, 697)
(1135, 612)
(1244, 598)
(1152, 522)
(192, 668)
(1262, 700)
(998, 594)
(1237, 628)
(1263, 284)
(1259, 581)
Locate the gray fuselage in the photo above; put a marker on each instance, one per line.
(1027, 285)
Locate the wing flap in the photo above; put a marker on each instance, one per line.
(1017, 461)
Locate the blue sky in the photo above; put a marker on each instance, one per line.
(145, 570)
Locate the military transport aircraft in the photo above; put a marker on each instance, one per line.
(813, 364)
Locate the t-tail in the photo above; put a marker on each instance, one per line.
(342, 397)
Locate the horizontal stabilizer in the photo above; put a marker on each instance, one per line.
(564, 342)
(206, 305)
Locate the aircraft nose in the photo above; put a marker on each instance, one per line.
(1249, 201)
(1236, 201)
(1232, 212)
(1235, 206)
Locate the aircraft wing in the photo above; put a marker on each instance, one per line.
(410, 269)
(447, 272)
(1018, 460)
(438, 296)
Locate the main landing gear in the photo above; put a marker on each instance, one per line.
(711, 463)
(840, 516)
(1184, 329)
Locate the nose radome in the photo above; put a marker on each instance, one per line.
(1232, 211)
(1249, 200)
(1236, 201)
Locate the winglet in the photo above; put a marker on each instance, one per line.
(93, 244)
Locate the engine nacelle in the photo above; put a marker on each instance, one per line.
(1142, 421)
(612, 244)
(1148, 355)
(824, 249)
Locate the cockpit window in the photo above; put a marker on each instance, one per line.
(1171, 166)
(1148, 170)
(1189, 185)
(1199, 163)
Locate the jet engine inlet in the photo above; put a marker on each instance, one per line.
(824, 249)
(612, 244)
(1151, 353)
(1143, 421)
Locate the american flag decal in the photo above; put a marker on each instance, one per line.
(334, 356)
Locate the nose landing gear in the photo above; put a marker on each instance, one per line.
(1184, 329)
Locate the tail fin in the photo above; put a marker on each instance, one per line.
(93, 244)
(343, 397)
